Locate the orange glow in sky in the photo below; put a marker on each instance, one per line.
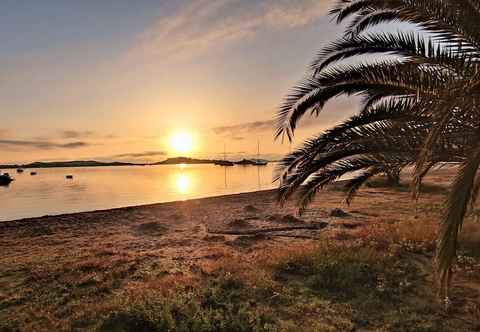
(194, 83)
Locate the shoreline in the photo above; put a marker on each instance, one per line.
(130, 207)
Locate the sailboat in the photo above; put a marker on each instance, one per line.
(258, 162)
(224, 162)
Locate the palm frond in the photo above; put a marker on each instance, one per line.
(455, 209)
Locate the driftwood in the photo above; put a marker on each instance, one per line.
(315, 226)
(306, 237)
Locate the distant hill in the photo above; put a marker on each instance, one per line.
(93, 163)
(184, 160)
(75, 163)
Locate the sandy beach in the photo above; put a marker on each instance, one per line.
(60, 268)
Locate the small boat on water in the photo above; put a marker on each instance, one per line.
(19, 170)
(33, 173)
(5, 179)
(69, 177)
(258, 161)
(244, 162)
(253, 162)
(224, 162)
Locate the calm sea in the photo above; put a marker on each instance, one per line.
(94, 188)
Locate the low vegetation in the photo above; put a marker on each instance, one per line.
(377, 280)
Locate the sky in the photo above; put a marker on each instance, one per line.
(117, 79)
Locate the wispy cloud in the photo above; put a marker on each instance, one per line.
(75, 134)
(333, 113)
(144, 154)
(41, 145)
(245, 127)
(204, 24)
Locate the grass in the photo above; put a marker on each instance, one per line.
(221, 306)
(329, 287)
(332, 287)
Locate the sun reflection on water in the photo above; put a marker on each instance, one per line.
(183, 183)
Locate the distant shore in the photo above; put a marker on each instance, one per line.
(94, 163)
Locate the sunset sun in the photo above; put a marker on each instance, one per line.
(181, 142)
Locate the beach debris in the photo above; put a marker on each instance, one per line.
(247, 241)
(238, 223)
(69, 177)
(214, 238)
(350, 225)
(311, 226)
(19, 170)
(337, 212)
(286, 219)
(251, 209)
(33, 173)
(176, 216)
(151, 228)
(291, 219)
(274, 217)
(37, 230)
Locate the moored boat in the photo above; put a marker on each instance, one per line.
(245, 162)
(258, 161)
(5, 179)
(224, 163)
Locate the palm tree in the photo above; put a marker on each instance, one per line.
(428, 84)
(385, 137)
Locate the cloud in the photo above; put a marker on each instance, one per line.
(245, 127)
(141, 154)
(74, 134)
(334, 112)
(204, 24)
(41, 145)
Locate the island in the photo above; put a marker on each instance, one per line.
(75, 163)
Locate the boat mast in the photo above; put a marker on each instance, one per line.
(258, 149)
